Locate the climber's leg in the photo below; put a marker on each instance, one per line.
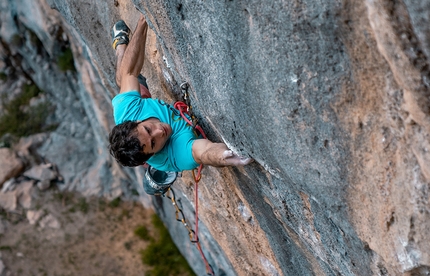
(120, 39)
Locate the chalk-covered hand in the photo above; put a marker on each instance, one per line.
(232, 159)
(217, 154)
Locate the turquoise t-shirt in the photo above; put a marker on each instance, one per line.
(176, 154)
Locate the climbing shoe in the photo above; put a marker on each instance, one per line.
(120, 34)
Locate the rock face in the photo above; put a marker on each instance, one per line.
(331, 98)
(10, 165)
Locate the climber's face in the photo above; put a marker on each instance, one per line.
(153, 135)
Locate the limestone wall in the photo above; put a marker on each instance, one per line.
(331, 98)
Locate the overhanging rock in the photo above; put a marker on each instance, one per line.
(329, 97)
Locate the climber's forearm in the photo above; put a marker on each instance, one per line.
(208, 153)
(216, 154)
(133, 59)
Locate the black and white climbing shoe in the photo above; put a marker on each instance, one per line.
(120, 34)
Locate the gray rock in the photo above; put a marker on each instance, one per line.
(10, 165)
(2, 267)
(8, 201)
(9, 185)
(20, 195)
(49, 221)
(33, 216)
(329, 97)
(43, 185)
(3, 228)
(27, 145)
(23, 192)
(43, 172)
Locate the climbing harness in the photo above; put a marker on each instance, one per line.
(185, 107)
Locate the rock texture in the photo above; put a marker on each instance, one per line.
(331, 98)
(10, 165)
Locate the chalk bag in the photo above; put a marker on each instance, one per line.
(158, 182)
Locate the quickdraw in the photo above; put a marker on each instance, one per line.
(185, 107)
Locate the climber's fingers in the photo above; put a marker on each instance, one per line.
(233, 159)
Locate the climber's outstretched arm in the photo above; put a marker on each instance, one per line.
(134, 56)
(216, 154)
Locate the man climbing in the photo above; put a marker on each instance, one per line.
(149, 130)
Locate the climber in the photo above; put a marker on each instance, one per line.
(149, 130)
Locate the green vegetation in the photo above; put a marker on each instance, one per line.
(83, 205)
(5, 247)
(34, 39)
(65, 197)
(65, 61)
(19, 118)
(16, 41)
(124, 214)
(101, 205)
(77, 204)
(128, 245)
(3, 76)
(115, 203)
(143, 233)
(162, 254)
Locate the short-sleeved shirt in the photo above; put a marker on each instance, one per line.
(176, 155)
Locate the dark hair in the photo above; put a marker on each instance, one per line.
(125, 146)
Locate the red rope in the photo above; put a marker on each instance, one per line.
(183, 109)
